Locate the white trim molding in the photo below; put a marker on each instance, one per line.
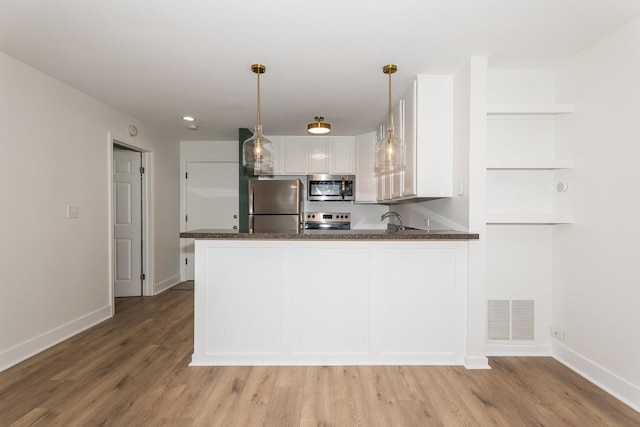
(166, 284)
(25, 350)
(610, 382)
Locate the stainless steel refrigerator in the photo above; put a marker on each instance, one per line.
(275, 206)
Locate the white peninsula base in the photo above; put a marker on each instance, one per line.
(292, 302)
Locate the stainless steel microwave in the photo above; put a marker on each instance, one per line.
(330, 187)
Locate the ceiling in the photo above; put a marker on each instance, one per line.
(158, 60)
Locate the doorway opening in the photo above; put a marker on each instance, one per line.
(130, 227)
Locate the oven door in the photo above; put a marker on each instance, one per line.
(327, 226)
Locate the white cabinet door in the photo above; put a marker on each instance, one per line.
(384, 187)
(397, 178)
(434, 136)
(295, 156)
(343, 155)
(409, 174)
(365, 168)
(424, 119)
(278, 151)
(318, 154)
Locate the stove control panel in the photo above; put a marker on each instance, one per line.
(328, 220)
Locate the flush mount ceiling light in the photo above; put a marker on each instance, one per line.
(390, 151)
(257, 151)
(319, 127)
(188, 118)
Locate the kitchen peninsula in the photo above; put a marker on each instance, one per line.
(330, 297)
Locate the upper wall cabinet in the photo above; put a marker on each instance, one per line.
(302, 155)
(365, 170)
(425, 116)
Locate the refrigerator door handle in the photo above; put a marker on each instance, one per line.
(250, 197)
(250, 223)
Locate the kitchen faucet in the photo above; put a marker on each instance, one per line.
(398, 225)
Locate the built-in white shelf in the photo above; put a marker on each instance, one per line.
(529, 109)
(531, 165)
(497, 218)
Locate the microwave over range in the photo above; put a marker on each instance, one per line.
(330, 187)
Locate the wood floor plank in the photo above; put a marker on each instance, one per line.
(412, 398)
(318, 397)
(351, 406)
(218, 410)
(133, 370)
(254, 401)
(449, 406)
(379, 396)
(285, 408)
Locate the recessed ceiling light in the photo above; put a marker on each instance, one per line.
(188, 118)
(192, 127)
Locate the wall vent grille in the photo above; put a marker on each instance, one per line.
(510, 320)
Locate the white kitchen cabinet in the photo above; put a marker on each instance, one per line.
(318, 154)
(366, 312)
(342, 149)
(295, 155)
(365, 168)
(302, 155)
(384, 186)
(425, 122)
(278, 153)
(431, 119)
(389, 185)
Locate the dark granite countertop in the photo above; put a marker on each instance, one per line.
(333, 235)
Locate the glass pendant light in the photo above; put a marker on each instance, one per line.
(390, 151)
(257, 151)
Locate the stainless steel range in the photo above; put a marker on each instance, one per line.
(327, 221)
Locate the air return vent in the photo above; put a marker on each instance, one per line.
(510, 320)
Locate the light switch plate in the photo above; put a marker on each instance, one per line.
(73, 211)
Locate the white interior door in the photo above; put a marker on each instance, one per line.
(127, 220)
(211, 199)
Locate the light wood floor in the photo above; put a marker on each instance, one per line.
(132, 370)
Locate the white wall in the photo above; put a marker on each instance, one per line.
(519, 257)
(55, 272)
(596, 292)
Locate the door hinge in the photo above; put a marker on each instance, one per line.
(186, 218)
(186, 261)
(186, 175)
(141, 170)
(142, 276)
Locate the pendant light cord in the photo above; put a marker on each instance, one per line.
(258, 100)
(390, 113)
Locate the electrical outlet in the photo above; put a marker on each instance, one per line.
(557, 333)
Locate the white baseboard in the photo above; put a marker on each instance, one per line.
(25, 350)
(522, 350)
(166, 284)
(618, 387)
(476, 362)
